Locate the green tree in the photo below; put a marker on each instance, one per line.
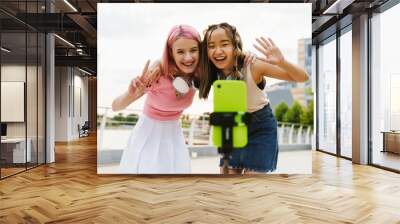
(310, 110)
(293, 114)
(119, 117)
(132, 118)
(309, 91)
(280, 111)
(307, 117)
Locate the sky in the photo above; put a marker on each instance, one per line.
(129, 34)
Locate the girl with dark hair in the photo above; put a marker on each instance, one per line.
(222, 58)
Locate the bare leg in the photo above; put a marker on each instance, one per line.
(252, 172)
(231, 171)
(235, 171)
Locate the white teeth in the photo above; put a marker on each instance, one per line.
(220, 58)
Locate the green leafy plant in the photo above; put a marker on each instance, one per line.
(280, 111)
(307, 116)
(293, 114)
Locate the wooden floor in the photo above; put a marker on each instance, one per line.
(70, 191)
(10, 171)
(387, 159)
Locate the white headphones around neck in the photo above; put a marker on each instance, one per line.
(181, 86)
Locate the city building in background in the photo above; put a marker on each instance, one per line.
(288, 92)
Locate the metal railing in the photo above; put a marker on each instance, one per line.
(291, 133)
(196, 129)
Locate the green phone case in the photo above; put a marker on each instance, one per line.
(231, 96)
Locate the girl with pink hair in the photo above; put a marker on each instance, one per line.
(156, 144)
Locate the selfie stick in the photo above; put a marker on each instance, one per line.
(227, 120)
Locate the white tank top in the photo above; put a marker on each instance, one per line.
(256, 99)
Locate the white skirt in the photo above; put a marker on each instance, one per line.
(155, 147)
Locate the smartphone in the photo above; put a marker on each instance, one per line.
(231, 96)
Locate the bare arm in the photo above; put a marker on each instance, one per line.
(274, 65)
(287, 71)
(134, 92)
(137, 86)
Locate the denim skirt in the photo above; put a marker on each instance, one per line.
(261, 152)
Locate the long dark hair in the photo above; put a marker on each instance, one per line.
(208, 70)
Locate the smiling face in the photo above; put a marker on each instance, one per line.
(220, 50)
(186, 54)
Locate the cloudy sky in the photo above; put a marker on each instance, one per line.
(131, 33)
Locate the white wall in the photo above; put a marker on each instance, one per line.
(69, 85)
(62, 81)
(33, 125)
(14, 73)
(79, 111)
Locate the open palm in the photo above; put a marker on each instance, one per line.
(272, 53)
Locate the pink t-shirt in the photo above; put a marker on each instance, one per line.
(161, 102)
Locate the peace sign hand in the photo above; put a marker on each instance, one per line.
(271, 52)
(138, 82)
(152, 74)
